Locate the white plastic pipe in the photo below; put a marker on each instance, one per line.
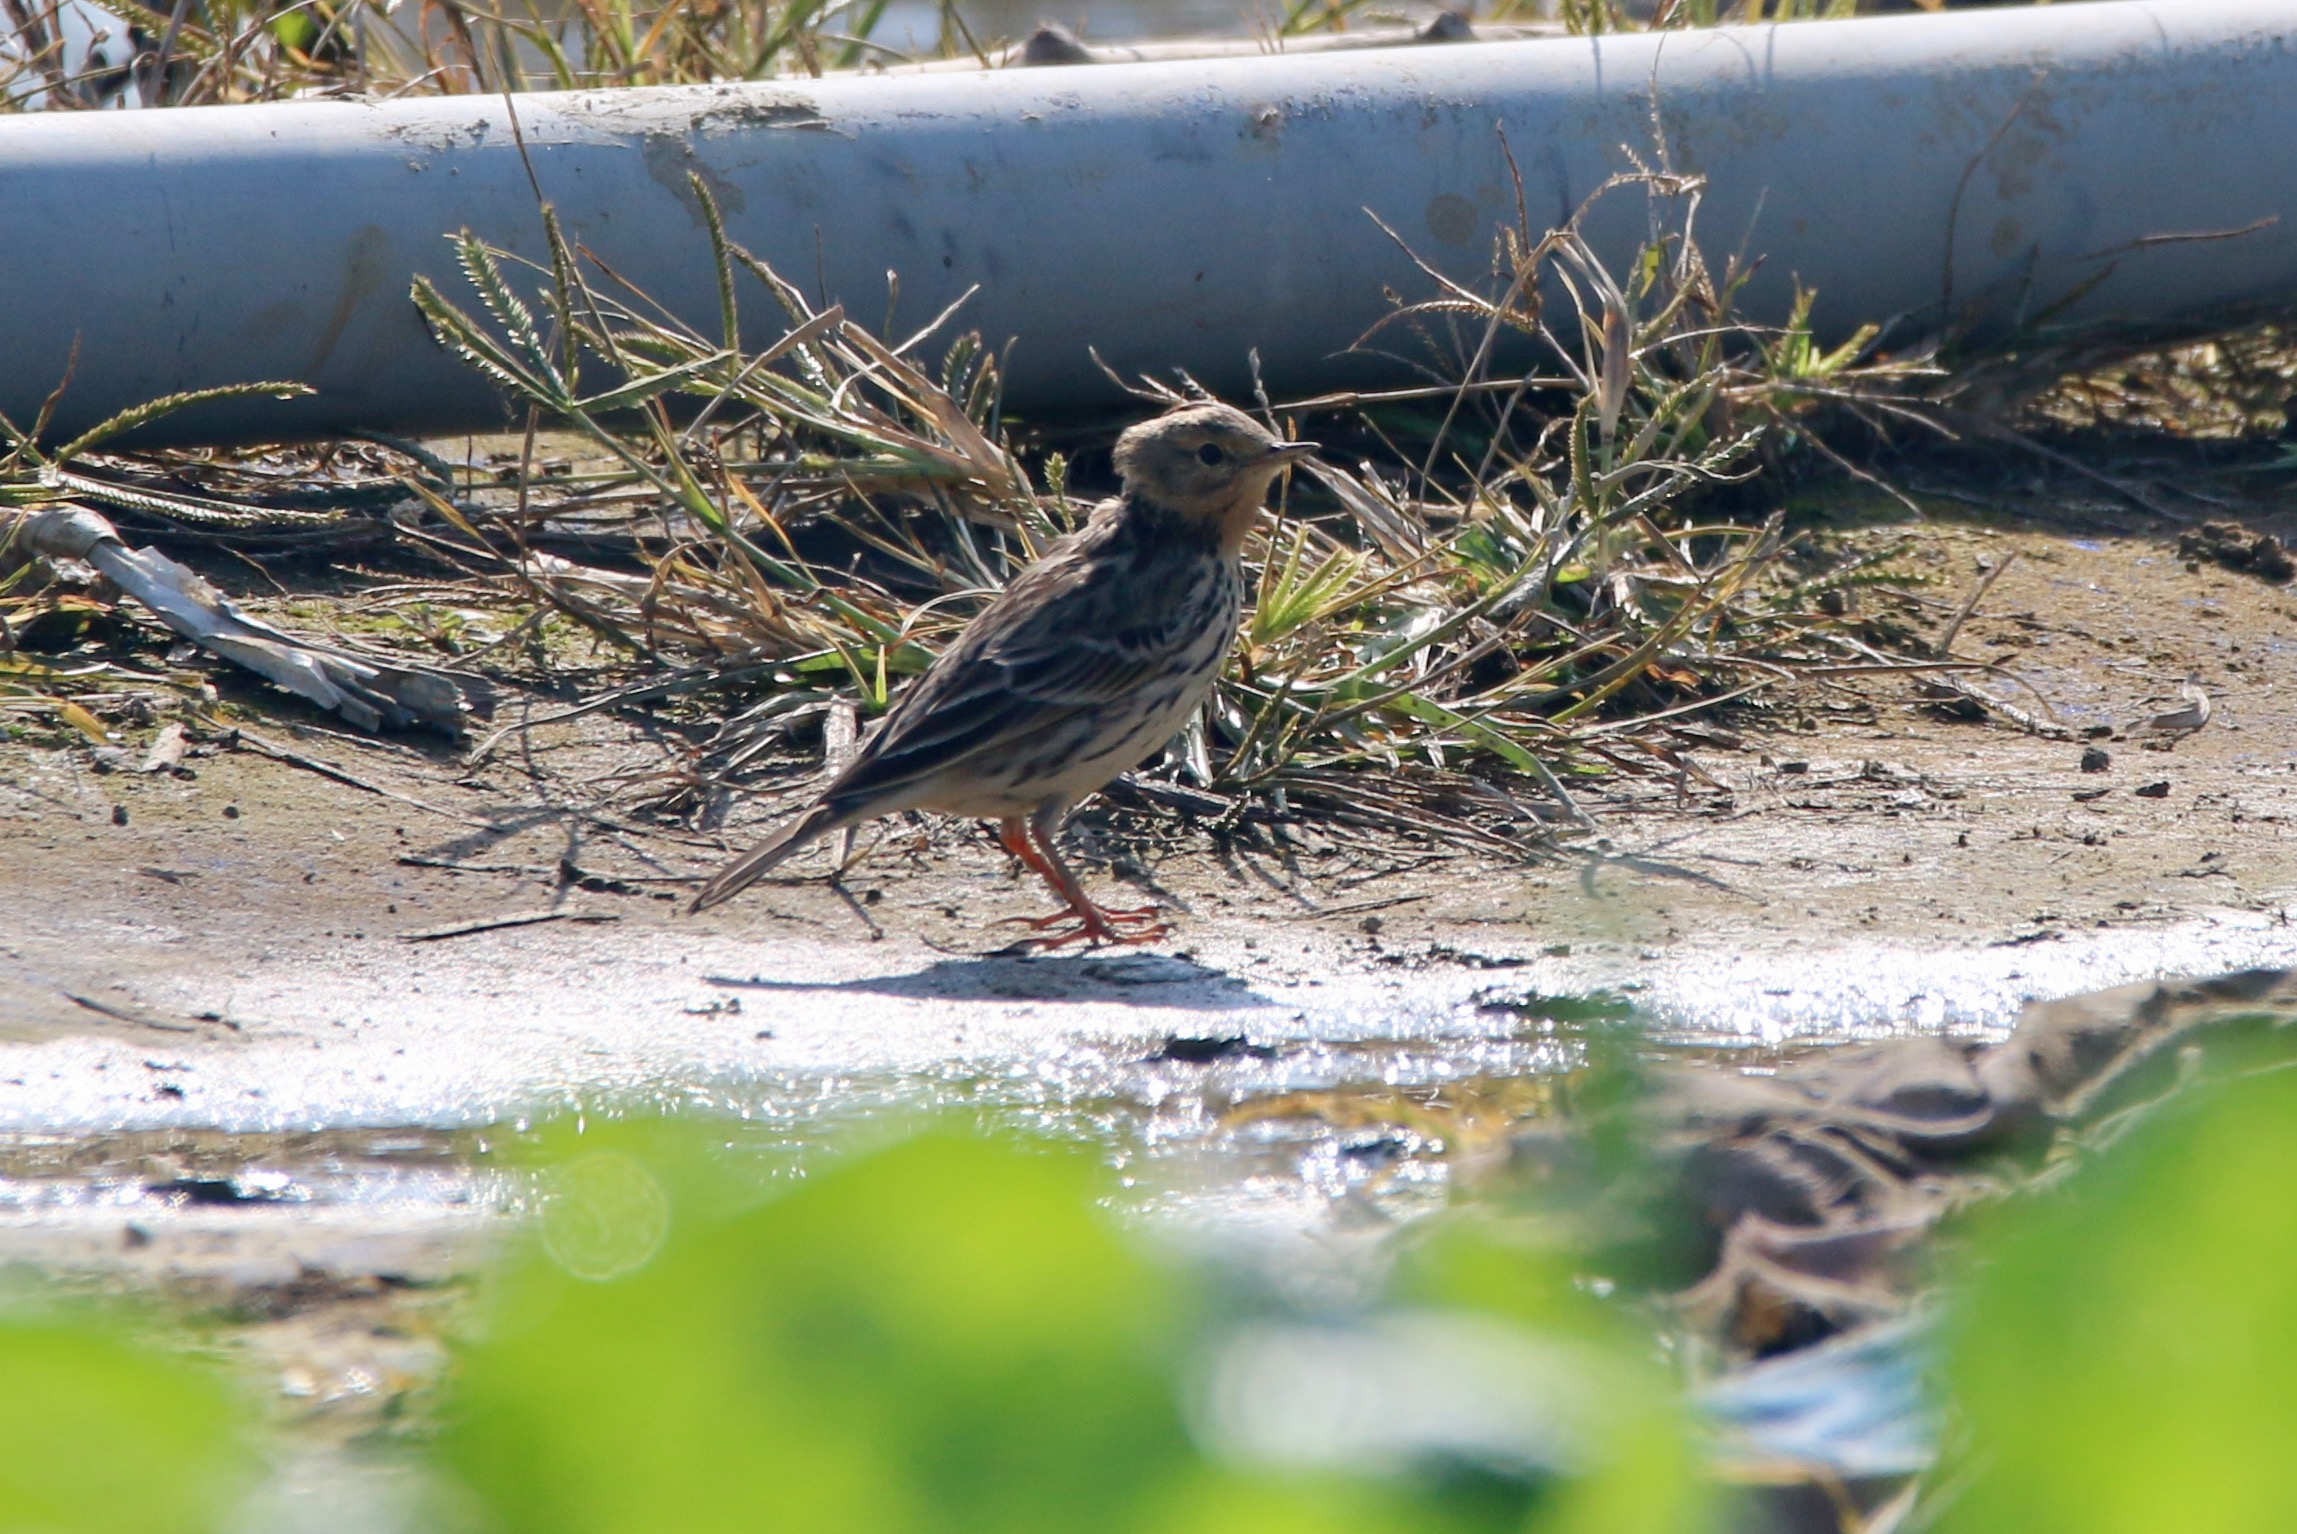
(1172, 213)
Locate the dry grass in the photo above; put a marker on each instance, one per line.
(1533, 590)
(177, 53)
(265, 50)
(1528, 574)
(2231, 386)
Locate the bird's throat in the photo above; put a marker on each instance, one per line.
(1238, 521)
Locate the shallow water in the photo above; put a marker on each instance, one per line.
(354, 1124)
(369, 1084)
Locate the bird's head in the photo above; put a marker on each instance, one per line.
(1207, 464)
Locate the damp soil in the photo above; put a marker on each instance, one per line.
(1849, 808)
(268, 1023)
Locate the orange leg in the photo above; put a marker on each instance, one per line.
(1032, 842)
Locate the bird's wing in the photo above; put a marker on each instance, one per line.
(1055, 644)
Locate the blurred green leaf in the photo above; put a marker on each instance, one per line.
(2126, 1359)
(949, 1335)
(941, 1335)
(101, 1436)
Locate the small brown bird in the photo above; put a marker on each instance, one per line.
(1092, 658)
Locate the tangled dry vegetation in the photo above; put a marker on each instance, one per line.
(1531, 589)
(78, 54)
(1532, 572)
(183, 54)
(2223, 387)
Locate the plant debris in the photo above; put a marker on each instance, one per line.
(2237, 548)
(370, 696)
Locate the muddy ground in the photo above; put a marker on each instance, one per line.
(257, 1051)
(1855, 808)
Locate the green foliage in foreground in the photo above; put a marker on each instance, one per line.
(98, 1436)
(2128, 1360)
(947, 1335)
(950, 1335)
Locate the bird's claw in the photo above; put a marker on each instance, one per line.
(1094, 925)
(1091, 916)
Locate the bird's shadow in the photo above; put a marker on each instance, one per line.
(1132, 979)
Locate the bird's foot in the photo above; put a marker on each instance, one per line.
(1094, 924)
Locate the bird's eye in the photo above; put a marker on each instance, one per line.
(1209, 455)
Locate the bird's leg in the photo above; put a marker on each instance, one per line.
(1013, 835)
(1032, 842)
(1071, 889)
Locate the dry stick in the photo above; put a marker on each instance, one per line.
(537, 870)
(1945, 645)
(1881, 667)
(1360, 907)
(1883, 664)
(1993, 430)
(325, 769)
(2148, 241)
(420, 860)
(2011, 712)
(493, 923)
(1694, 706)
(154, 91)
(39, 50)
(134, 1015)
(1962, 187)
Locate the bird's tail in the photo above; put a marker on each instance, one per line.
(760, 860)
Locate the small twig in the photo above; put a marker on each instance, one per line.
(1986, 426)
(2148, 241)
(1945, 645)
(517, 919)
(1360, 907)
(279, 753)
(137, 1016)
(153, 87)
(2047, 729)
(564, 872)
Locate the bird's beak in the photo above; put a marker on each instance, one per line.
(1292, 452)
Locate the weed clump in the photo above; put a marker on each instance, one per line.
(1532, 587)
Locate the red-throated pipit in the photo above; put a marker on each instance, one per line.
(1093, 658)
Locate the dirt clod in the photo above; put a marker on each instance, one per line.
(2236, 548)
